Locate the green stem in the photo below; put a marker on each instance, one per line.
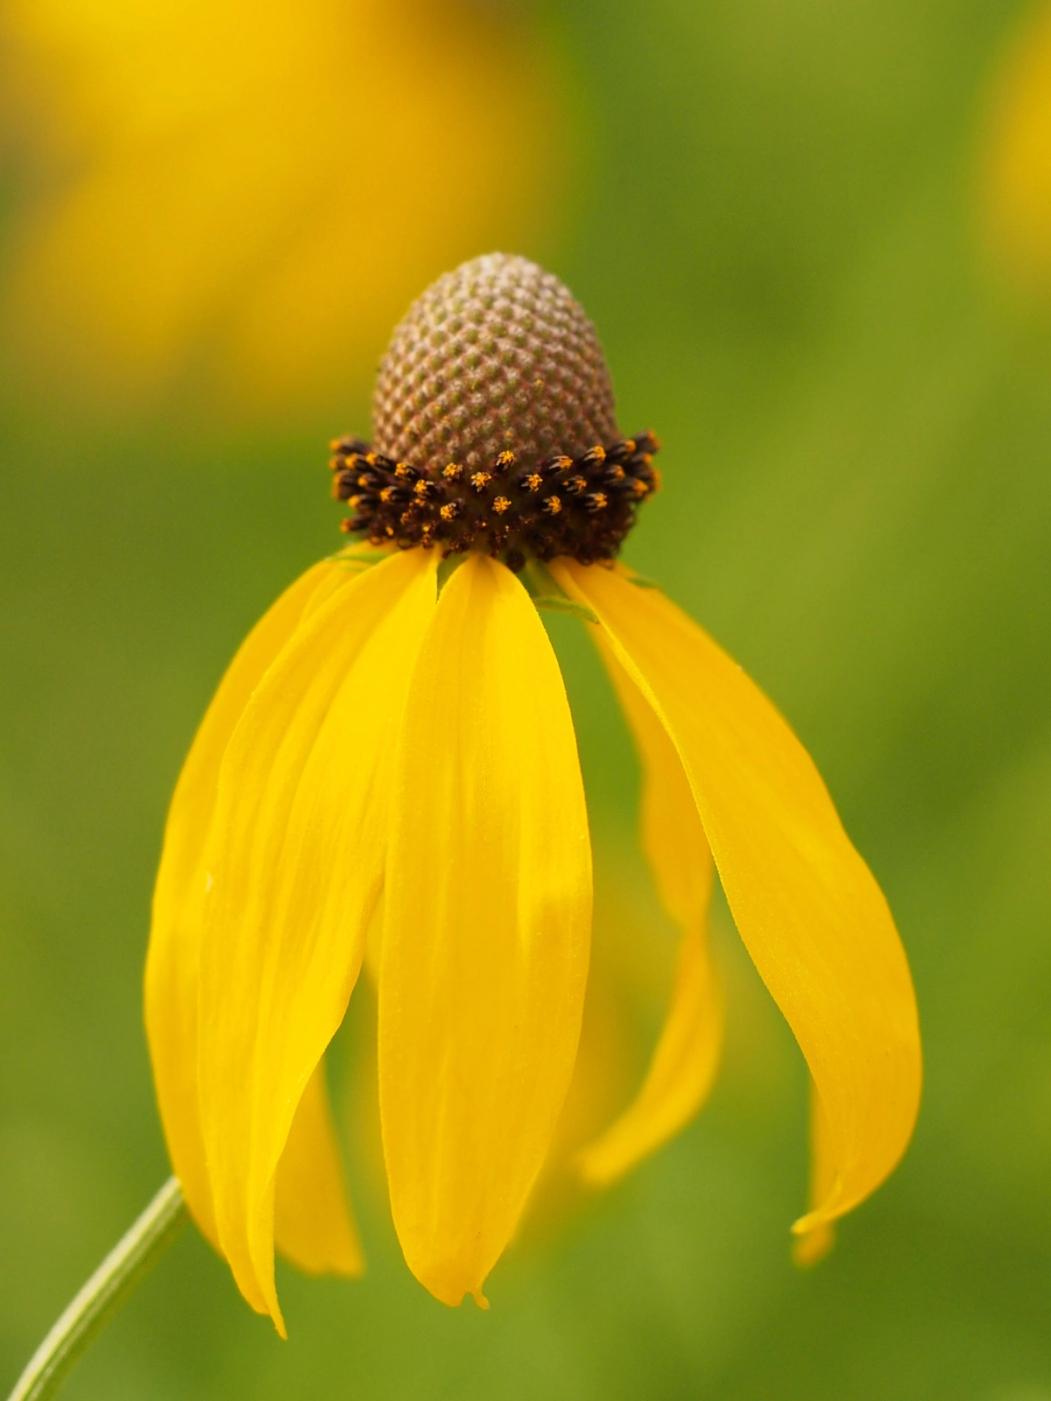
(100, 1295)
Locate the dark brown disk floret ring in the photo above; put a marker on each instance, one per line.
(495, 427)
(579, 506)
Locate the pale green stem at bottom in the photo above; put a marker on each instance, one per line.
(100, 1295)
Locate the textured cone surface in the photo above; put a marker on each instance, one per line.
(495, 355)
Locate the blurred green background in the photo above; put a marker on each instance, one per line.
(778, 213)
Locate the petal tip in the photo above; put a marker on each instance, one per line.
(811, 1246)
(273, 1308)
(812, 1221)
(450, 1285)
(266, 1306)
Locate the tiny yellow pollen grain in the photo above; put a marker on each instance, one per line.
(386, 493)
(480, 480)
(534, 481)
(506, 458)
(421, 487)
(448, 511)
(452, 471)
(501, 504)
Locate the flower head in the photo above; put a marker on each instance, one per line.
(392, 749)
(495, 427)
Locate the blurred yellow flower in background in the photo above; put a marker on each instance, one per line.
(251, 193)
(1016, 156)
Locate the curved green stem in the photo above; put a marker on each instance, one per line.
(100, 1295)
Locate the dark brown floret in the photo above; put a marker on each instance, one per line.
(581, 507)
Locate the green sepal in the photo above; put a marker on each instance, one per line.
(448, 566)
(559, 603)
(362, 555)
(545, 593)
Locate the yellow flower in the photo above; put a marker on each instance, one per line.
(252, 192)
(1016, 156)
(392, 749)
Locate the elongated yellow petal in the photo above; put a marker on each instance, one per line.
(679, 1076)
(686, 1057)
(487, 919)
(812, 917)
(814, 1244)
(178, 901)
(672, 835)
(313, 1225)
(295, 863)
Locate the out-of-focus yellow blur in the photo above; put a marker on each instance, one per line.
(259, 186)
(1016, 156)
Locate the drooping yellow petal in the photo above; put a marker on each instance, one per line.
(672, 835)
(812, 1245)
(679, 1076)
(484, 955)
(812, 917)
(686, 1057)
(295, 864)
(313, 1225)
(178, 901)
